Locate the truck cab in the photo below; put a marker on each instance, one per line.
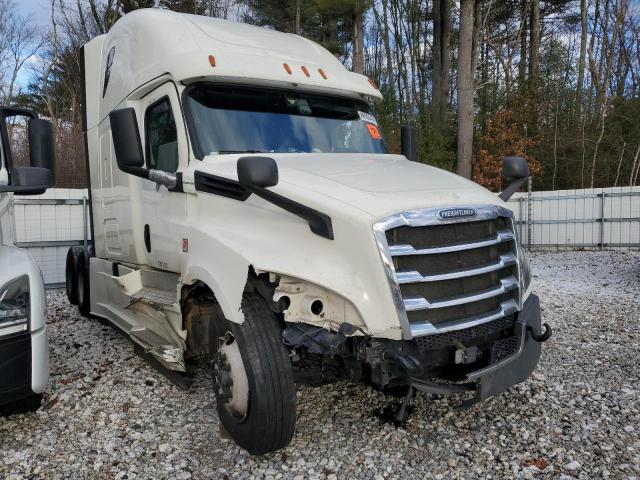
(24, 354)
(246, 209)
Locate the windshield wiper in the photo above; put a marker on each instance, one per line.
(222, 152)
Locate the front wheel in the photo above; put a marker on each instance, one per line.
(253, 378)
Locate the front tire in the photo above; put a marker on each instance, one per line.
(253, 378)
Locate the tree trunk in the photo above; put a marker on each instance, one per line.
(297, 25)
(624, 145)
(358, 43)
(534, 43)
(522, 65)
(466, 87)
(583, 55)
(441, 60)
(387, 47)
(632, 178)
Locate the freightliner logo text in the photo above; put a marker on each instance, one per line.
(456, 213)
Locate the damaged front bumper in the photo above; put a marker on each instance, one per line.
(514, 358)
(486, 359)
(518, 366)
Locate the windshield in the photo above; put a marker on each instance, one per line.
(238, 119)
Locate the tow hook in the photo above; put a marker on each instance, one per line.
(541, 337)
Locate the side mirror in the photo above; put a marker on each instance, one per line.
(257, 172)
(42, 146)
(128, 149)
(28, 181)
(126, 142)
(516, 169)
(408, 146)
(33, 180)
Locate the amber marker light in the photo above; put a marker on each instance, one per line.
(305, 70)
(212, 60)
(372, 83)
(287, 68)
(322, 74)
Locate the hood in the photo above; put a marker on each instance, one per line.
(373, 183)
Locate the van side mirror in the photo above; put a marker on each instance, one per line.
(29, 181)
(126, 142)
(517, 170)
(408, 146)
(42, 146)
(35, 179)
(257, 172)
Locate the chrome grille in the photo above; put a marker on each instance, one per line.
(449, 274)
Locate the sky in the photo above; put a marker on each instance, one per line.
(41, 14)
(40, 9)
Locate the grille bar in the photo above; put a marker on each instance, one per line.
(507, 308)
(449, 274)
(501, 237)
(420, 303)
(506, 260)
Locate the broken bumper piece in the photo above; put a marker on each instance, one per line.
(513, 359)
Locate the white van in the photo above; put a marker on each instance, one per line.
(245, 207)
(24, 353)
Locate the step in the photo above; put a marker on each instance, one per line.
(156, 296)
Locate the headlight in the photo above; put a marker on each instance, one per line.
(525, 270)
(14, 306)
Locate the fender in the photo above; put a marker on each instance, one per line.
(223, 246)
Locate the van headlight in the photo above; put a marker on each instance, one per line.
(14, 306)
(525, 271)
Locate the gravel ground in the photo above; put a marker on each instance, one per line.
(107, 414)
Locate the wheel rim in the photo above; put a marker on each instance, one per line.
(231, 378)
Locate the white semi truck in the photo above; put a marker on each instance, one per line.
(24, 353)
(245, 209)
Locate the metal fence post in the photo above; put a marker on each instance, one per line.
(84, 223)
(521, 217)
(529, 215)
(602, 196)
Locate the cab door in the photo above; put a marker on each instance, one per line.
(167, 149)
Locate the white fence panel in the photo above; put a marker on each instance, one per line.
(47, 225)
(590, 218)
(595, 218)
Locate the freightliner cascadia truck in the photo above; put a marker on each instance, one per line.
(24, 353)
(245, 209)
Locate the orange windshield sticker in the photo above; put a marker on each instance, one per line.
(373, 131)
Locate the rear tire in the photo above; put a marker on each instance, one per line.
(84, 292)
(263, 418)
(71, 274)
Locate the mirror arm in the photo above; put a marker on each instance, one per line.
(320, 223)
(508, 192)
(169, 180)
(136, 171)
